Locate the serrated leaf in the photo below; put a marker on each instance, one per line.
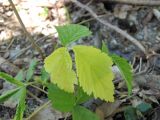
(59, 66)
(125, 70)
(81, 96)
(21, 105)
(60, 99)
(71, 32)
(81, 113)
(8, 94)
(10, 79)
(31, 69)
(94, 72)
(20, 75)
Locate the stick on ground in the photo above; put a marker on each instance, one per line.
(115, 28)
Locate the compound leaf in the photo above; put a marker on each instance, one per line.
(21, 104)
(94, 69)
(71, 32)
(59, 66)
(125, 70)
(81, 113)
(8, 94)
(10, 79)
(60, 99)
(20, 75)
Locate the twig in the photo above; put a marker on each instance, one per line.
(38, 109)
(38, 89)
(35, 97)
(25, 49)
(120, 31)
(25, 30)
(136, 2)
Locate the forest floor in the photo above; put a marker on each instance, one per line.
(40, 18)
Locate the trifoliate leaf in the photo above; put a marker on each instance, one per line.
(71, 32)
(10, 79)
(81, 113)
(94, 72)
(21, 104)
(60, 99)
(59, 66)
(125, 69)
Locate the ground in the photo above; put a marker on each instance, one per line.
(40, 19)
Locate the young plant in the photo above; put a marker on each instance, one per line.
(21, 81)
(70, 88)
(92, 78)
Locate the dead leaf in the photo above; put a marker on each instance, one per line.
(107, 109)
(121, 11)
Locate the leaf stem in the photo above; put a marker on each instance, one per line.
(38, 88)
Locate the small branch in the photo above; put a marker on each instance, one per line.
(39, 89)
(115, 28)
(38, 109)
(135, 2)
(25, 30)
(35, 97)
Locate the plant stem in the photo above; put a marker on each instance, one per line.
(35, 97)
(25, 30)
(38, 88)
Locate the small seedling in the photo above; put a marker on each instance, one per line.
(70, 87)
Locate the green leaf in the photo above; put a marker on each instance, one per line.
(10, 79)
(81, 96)
(94, 69)
(31, 69)
(125, 70)
(21, 105)
(8, 94)
(20, 75)
(59, 66)
(144, 107)
(44, 75)
(81, 113)
(60, 99)
(104, 48)
(72, 32)
(130, 113)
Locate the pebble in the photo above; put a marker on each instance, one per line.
(113, 44)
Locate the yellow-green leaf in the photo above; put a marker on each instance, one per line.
(59, 66)
(94, 72)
